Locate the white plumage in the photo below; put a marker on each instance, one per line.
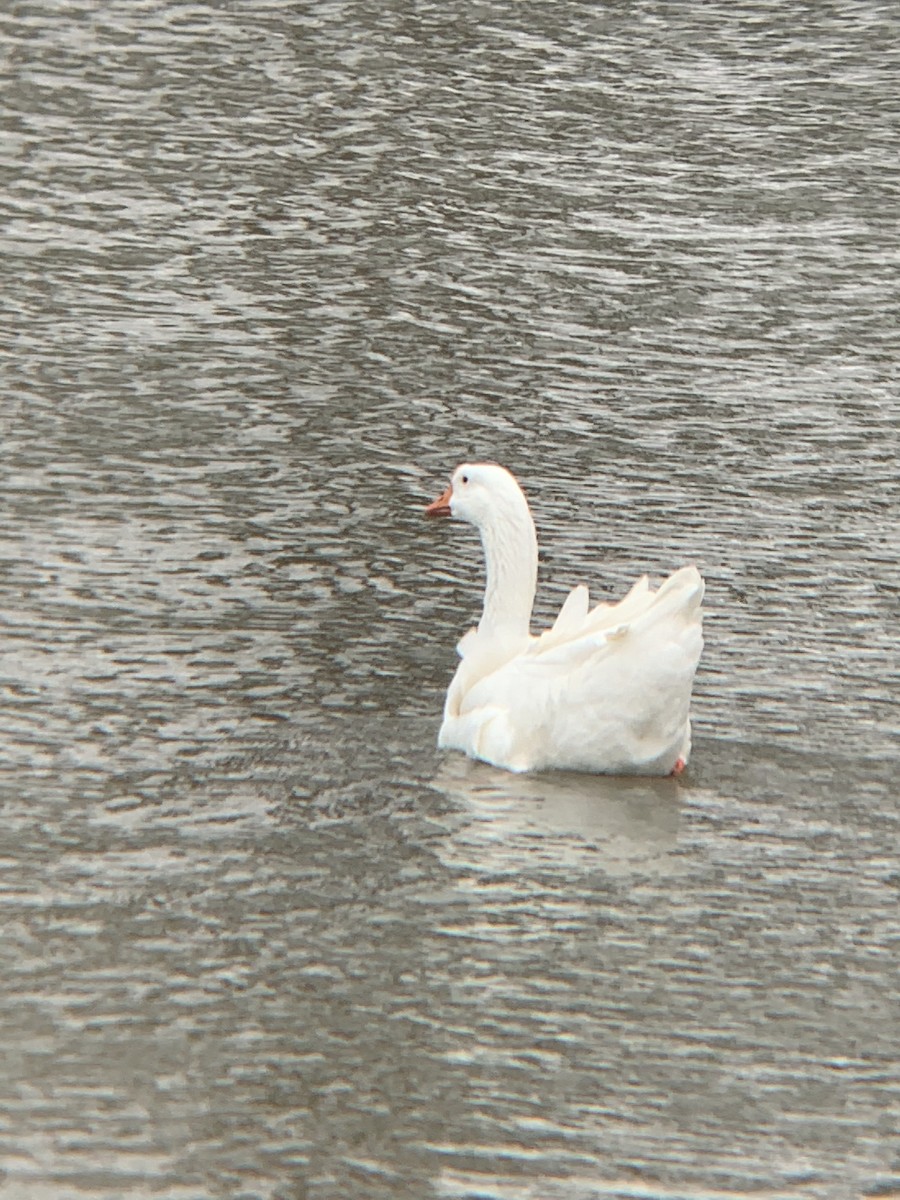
(606, 689)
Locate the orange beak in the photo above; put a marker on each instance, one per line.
(441, 506)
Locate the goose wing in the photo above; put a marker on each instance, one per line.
(608, 692)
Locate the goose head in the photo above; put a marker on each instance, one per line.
(484, 494)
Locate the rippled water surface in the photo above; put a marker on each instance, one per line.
(270, 271)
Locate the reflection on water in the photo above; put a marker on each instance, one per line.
(271, 272)
(524, 823)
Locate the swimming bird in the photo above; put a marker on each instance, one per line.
(605, 689)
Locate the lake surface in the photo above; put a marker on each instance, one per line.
(271, 271)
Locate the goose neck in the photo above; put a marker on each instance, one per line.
(510, 551)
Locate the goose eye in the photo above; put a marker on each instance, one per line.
(465, 479)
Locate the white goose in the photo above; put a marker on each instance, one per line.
(605, 690)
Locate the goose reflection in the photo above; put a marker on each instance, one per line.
(556, 820)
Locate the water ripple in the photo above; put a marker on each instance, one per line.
(271, 272)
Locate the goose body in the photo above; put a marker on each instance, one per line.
(606, 689)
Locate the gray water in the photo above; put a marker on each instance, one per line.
(270, 270)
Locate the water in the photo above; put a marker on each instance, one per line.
(271, 271)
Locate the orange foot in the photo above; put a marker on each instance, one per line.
(680, 764)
